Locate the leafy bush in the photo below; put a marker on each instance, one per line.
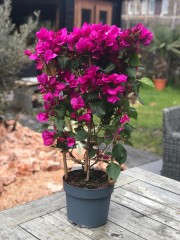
(165, 45)
(13, 41)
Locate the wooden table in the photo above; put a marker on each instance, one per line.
(143, 206)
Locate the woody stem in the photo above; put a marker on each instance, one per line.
(87, 169)
(65, 165)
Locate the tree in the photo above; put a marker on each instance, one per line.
(13, 41)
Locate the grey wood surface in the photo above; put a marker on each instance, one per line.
(143, 206)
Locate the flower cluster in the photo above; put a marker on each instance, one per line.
(86, 78)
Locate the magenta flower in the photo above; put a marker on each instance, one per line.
(33, 57)
(120, 130)
(73, 115)
(44, 34)
(71, 80)
(49, 55)
(48, 97)
(77, 103)
(61, 139)
(61, 37)
(83, 45)
(106, 157)
(111, 91)
(27, 52)
(85, 117)
(46, 106)
(42, 117)
(60, 86)
(124, 119)
(48, 137)
(70, 142)
(145, 35)
(39, 65)
(119, 78)
(43, 78)
(112, 99)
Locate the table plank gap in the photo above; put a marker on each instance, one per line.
(40, 207)
(142, 204)
(154, 179)
(49, 228)
(123, 180)
(15, 233)
(141, 225)
(107, 232)
(154, 193)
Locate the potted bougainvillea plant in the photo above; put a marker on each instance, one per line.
(87, 76)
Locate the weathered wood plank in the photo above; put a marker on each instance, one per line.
(123, 180)
(141, 225)
(36, 208)
(109, 231)
(147, 207)
(50, 228)
(154, 193)
(154, 179)
(10, 231)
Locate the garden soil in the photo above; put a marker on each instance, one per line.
(28, 169)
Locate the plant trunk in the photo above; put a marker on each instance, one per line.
(87, 163)
(65, 166)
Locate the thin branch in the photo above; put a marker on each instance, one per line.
(65, 165)
(87, 163)
(74, 159)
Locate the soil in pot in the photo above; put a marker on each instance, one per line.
(98, 179)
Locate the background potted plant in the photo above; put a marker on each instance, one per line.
(165, 44)
(87, 77)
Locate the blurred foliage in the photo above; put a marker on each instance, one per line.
(13, 41)
(162, 59)
(166, 43)
(147, 134)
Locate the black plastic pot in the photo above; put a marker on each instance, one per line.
(87, 207)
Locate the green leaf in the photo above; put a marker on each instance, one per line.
(98, 109)
(81, 135)
(59, 123)
(128, 129)
(140, 100)
(61, 111)
(131, 72)
(74, 64)
(107, 141)
(92, 96)
(125, 105)
(113, 170)
(92, 153)
(147, 81)
(64, 62)
(109, 68)
(132, 113)
(134, 60)
(108, 153)
(119, 153)
(136, 88)
(44, 127)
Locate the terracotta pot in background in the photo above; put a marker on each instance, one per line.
(160, 84)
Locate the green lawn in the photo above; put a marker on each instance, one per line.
(147, 134)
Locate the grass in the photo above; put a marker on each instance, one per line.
(147, 134)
